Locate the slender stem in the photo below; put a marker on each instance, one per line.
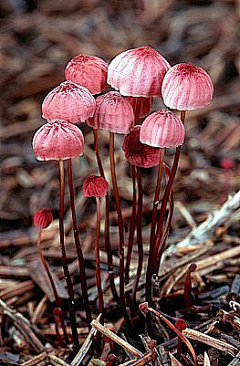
(156, 197)
(161, 218)
(139, 233)
(57, 299)
(161, 245)
(107, 234)
(71, 302)
(120, 219)
(82, 272)
(97, 254)
(132, 226)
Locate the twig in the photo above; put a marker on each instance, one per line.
(95, 324)
(23, 326)
(213, 342)
(57, 361)
(85, 346)
(35, 360)
(207, 228)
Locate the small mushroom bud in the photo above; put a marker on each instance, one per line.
(43, 218)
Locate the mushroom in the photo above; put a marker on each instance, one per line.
(60, 140)
(164, 130)
(97, 186)
(68, 102)
(114, 114)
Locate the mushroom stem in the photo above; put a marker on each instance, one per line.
(97, 254)
(139, 233)
(120, 219)
(107, 235)
(132, 226)
(57, 299)
(156, 197)
(64, 259)
(155, 251)
(82, 272)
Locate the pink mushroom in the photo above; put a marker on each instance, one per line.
(97, 186)
(88, 71)
(68, 102)
(43, 218)
(138, 72)
(137, 153)
(162, 129)
(187, 87)
(114, 114)
(61, 141)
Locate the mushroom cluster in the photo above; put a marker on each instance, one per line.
(136, 77)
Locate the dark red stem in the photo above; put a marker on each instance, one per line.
(120, 219)
(71, 301)
(97, 255)
(107, 234)
(132, 225)
(82, 272)
(139, 234)
(188, 286)
(57, 299)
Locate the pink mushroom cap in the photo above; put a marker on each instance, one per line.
(43, 218)
(187, 87)
(95, 186)
(138, 72)
(113, 113)
(162, 129)
(138, 153)
(58, 140)
(69, 102)
(145, 105)
(88, 71)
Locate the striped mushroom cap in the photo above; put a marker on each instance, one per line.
(113, 113)
(95, 186)
(43, 218)
(88, 71)
(137, 153)
(138, 72)
(187, 87)
(69, 102)
(162, 129)
(58, 140)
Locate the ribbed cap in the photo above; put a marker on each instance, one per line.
(58, 140)
(113, 113)
(69, 102)
(88, 71)
(138, 72)
(95, 186)
(138, 153)
(187, 87)
(162, 129)
(43, 218)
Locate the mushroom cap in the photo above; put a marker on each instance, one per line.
(69, 102)
(95, 186)
(162, 129)
(138, 72)
(113, 113)
(187, 87)
(58, 140)
(138, 153)
(145, 105)
(88, 71)
(43, 218)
